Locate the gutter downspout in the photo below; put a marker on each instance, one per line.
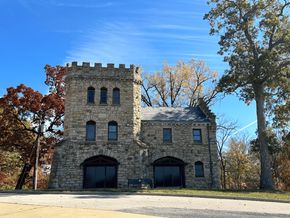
(210, 159)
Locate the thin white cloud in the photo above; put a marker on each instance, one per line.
(150, 37)
(203, 55)
(178, 27)
(113, 44)
(67, 31)
(166, 12)
(244, 127)
(123, 42)
(83, 5)
(69, 4)
(162, 35)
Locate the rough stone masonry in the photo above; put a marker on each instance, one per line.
(140, 150)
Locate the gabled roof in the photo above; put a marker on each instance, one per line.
(173, 114)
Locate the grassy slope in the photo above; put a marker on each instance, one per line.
(274, 195)
(245, 194)
(255, 194)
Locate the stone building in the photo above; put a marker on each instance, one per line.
(109, 139)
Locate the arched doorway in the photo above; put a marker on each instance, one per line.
(100, 172)
(169, 172)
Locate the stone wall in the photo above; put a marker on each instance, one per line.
(139, 143)
(183, 148)
(69, 156)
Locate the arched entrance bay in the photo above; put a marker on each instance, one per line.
(169, 172)
(100, 172)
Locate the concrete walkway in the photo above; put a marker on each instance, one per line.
(112, 205)
(34, 211)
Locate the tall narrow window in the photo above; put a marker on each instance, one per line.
(167, 135)
(199, 172)
(91, 95)
(116, 96)
(196, 134)
(113, 131)
(91, 131)
(103, 97)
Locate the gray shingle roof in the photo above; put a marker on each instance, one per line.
(173, 114)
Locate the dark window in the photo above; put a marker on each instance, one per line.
(116, 96)
(167, 135)
(196, 134)
(199, 169)
(103, 98)
(113, 131)
(91, 131)
(91, 95)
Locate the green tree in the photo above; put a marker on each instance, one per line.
(255, 40)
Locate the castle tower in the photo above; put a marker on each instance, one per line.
(102, 120)
(103, 85)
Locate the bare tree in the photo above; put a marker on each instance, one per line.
(225, 129)
(180, 85)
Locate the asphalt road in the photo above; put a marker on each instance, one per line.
(163, 206)
(188, 213)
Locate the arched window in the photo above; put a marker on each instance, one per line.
(91, 131)
(116, 96)
(91, 95)
(199, 172)
(103, 97)
(113, 131)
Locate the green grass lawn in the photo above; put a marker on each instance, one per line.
(240, 194)
(243, 194)
(273, 195)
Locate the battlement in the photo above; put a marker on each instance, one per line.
(96, 70)
(98, 65)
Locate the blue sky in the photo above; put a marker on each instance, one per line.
(146, 33)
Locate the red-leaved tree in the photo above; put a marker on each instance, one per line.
(32, 114)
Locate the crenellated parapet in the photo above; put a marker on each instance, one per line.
(97, 70)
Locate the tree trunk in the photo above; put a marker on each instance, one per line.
(224, 172)
(36, 163)
(266, 180)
